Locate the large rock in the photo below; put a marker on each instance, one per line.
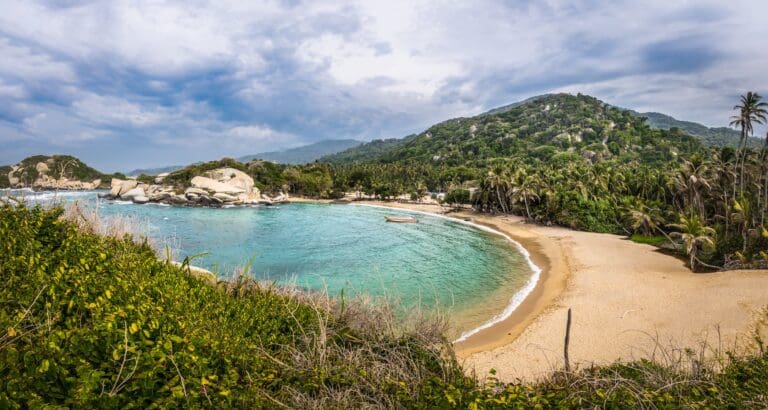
(12, 179)
(226, 197)
(233, 177)
(195, 191)
(140, 199)
(120, 186)
(215, 186)
(135, 192)
(42, 167)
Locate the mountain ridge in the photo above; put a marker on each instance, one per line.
(542, 126)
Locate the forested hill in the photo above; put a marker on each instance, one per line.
(715, 137)
(550, 127)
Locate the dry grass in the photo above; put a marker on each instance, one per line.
(359, 339)
(89, 219)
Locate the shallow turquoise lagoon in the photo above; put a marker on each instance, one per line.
(436, 263)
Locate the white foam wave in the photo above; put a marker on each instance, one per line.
(516, 299)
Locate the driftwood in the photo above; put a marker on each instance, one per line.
(567, 341)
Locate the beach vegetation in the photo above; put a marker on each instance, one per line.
(93, 321)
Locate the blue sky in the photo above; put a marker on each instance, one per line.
(132, 84)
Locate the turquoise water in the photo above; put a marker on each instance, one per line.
(436, 263)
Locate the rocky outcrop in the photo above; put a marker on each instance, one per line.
(120, 186)
(216, 188)
(41, 175)
(212, 185)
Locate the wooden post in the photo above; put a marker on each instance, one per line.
(567, 340)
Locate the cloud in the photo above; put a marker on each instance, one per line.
(142, 83)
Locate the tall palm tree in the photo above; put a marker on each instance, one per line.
(751, 110)
(525, 188)
(695, 235)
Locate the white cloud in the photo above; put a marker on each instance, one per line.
(26, 64)
(227, 75)
(115, 111)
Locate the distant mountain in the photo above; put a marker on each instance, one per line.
(305, 153)
(555, 127)
(366, 152)
(155, 171)
(718, 137)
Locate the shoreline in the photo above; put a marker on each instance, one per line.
(549, 277)
(517, 299)
(630, 301)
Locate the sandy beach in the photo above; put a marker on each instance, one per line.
(627, 300)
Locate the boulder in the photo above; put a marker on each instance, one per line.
(135, 192)
(233, 177)
(159, 196)
(120, 186)
(225, 197)
(178, 200)
(42, 167)
(215, 186)
(196, 191)
(140, 199)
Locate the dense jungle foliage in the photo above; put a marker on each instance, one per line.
(92, 322)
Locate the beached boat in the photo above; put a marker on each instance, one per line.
(398, 219)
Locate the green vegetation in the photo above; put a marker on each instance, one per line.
(656, 240)
(88, 322)
(58, 166)
(563, 124)
(365, 152)
(713, 137)
(4, 182)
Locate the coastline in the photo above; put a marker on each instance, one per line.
(629, 301)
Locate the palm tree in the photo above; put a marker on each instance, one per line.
(645, 219)
(525, 187)
(751, 110)
(695, 235)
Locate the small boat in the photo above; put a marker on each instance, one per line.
(398, 219)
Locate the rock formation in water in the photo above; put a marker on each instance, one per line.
(215, 188)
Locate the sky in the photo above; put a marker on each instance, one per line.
(129, 84)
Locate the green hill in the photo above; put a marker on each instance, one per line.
(545, 128)
(304, 154)
(715, 137)
(366, 152)
(30, 169)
